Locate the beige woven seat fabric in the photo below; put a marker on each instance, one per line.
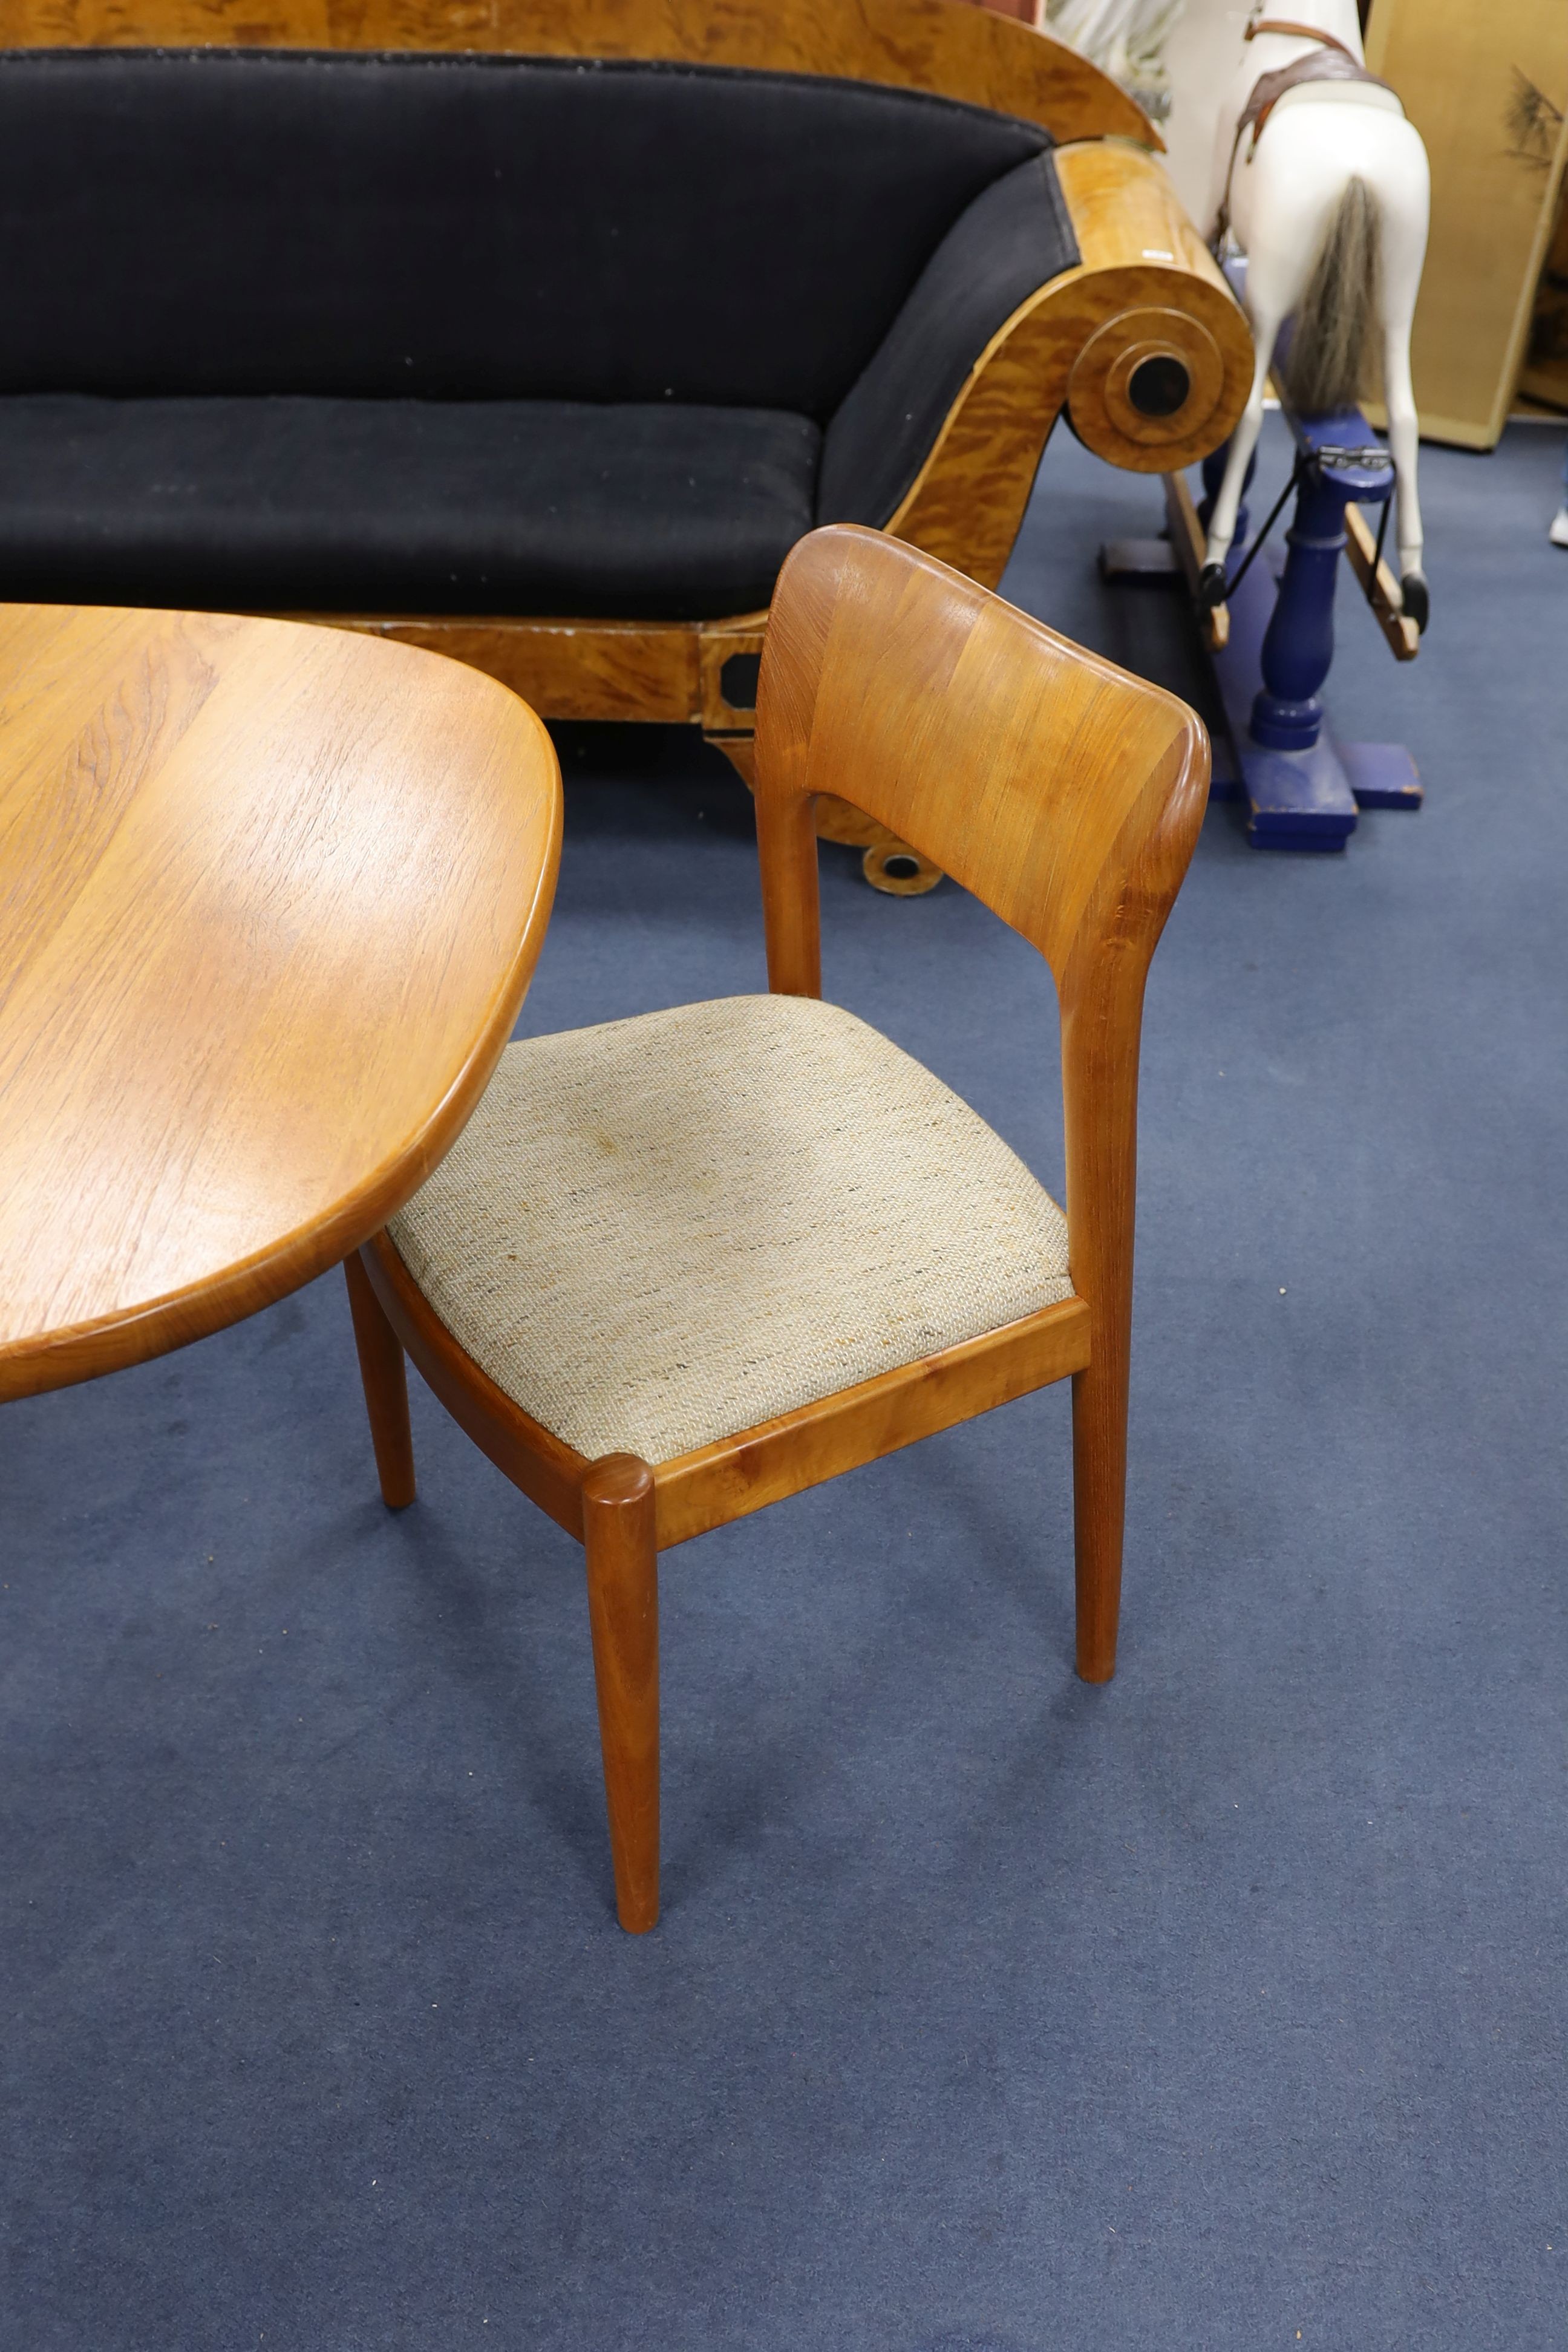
(658, 1233)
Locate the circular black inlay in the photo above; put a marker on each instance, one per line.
(738, 680)
(899, 869)
(1158, 387)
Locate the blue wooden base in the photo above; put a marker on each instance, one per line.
(1296, 799)
(1381, 775)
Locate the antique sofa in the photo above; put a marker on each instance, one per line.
(539, 334)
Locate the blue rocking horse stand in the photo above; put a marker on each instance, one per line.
(1271, 640)
(1304, 789)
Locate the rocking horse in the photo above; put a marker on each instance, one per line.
(1323, 184)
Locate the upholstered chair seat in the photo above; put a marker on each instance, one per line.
(658, 1233)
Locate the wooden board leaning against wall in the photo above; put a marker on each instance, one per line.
(1488, 89)
(1544, 375)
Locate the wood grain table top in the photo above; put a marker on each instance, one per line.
(271, 898)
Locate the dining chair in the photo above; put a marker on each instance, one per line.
(678, 1266)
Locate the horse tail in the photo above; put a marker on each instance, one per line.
(1332, 346)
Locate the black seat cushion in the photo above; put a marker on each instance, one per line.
(298, 504)
(467, 227)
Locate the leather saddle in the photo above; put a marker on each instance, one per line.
(1330, 61)
(1322, 65)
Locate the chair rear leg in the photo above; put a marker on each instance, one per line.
(622, 1611)
(386, 1378)
(1100, 1507)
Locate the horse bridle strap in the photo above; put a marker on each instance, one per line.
(1300, 33)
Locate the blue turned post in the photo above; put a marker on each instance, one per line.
(1298, 642)
(1303, 787)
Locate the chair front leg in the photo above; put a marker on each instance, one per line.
(385, 1377)
(1099, 1506)
(622, 1611)
(1100, 1014)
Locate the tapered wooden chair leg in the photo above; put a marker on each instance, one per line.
(1099, 1510)
(386, 1378)
(623, 1610)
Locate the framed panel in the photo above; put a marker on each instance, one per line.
(1488, 89)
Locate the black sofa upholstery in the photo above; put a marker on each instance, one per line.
(298, 502)
(345, 332)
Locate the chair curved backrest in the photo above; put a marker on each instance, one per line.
(1064, 793)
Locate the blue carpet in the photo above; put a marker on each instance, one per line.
(989, 2012)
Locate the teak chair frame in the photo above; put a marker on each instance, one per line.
(1066, 796)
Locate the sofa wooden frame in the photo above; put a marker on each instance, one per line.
(1145, 286)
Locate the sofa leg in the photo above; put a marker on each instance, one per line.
(739, 751)
(889, 865)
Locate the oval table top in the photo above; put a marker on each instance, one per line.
(270, 896)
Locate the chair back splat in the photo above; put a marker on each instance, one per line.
(1064, 793)
(1067, 797)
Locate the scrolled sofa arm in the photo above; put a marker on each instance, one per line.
(1140, 342)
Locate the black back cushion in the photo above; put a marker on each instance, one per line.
(1013, 239)
(466, 227)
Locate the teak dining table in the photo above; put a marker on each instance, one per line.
(270, 896)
